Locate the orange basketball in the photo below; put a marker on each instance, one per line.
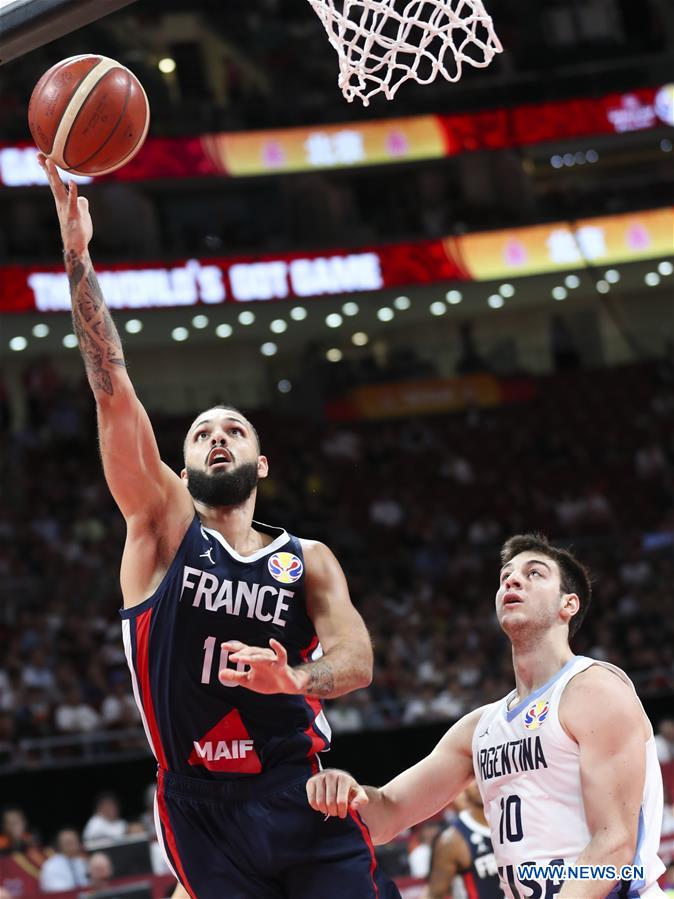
(89, 114)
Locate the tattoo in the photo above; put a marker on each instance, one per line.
(321, 679)
(74, 268)
(96, 333)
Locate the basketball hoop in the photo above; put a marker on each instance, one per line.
(382, 43)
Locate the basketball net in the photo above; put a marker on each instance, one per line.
(382, 43)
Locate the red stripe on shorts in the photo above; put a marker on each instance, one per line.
(366, 836)
(170, 840)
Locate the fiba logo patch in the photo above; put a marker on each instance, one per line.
(536, 714)
(285, 568)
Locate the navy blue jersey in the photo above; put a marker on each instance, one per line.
(210, 594)
(481, 880)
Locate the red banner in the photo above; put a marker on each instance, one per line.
(512, 253)
(212, 281)
(359, 144)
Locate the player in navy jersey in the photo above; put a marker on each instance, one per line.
(464, 850)
(233, 630)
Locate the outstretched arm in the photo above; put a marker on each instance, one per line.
(140, 483)
(411, 797)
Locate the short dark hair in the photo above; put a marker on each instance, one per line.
(238, 412)
(574, 576)
(105, 796)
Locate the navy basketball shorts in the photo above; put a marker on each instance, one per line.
(258, 838)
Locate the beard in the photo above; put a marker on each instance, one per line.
(224, 488)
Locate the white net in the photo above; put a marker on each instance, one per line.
(382, 43)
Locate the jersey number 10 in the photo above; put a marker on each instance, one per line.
(207, 669)
(510, 822)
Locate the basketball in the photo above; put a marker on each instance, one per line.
(89, 114)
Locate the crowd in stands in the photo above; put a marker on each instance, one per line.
(78, 860)
(415, 510)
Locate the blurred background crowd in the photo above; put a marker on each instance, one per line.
(415, 509)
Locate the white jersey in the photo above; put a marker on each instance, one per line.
(528, 772)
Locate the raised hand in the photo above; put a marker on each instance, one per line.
(334, 792)
(268, 670)
(73, 211)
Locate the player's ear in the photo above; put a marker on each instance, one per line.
(183, 474)
(262, 467)
(570, 605)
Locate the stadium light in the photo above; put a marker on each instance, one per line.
(385, 314)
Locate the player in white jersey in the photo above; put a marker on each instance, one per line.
(566, 763)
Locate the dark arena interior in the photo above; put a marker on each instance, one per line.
(450, 317)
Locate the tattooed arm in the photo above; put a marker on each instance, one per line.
(346, 663)
(139, 481)
(96, 333)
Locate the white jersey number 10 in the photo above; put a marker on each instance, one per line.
(207, 669)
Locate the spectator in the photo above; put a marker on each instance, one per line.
(105, 823)
(664, 741)
(386, 511)
(74, 715)
(14, 836)
(100, 871)
(37, 674)
(119, 707)
(67, 868)
(147, 817)
(17, 840)
(345, 716)
(420, 857)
